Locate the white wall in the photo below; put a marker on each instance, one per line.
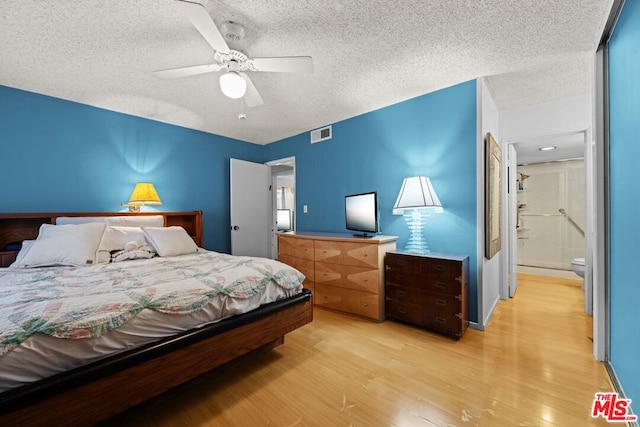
(568, 115)
(561, 117)
(489, 278)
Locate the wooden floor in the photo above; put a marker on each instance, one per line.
(533, 366)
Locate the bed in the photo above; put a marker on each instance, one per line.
(229, 306)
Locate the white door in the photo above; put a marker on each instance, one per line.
(251, 211)
(512, 235)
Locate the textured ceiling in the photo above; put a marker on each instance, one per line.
(367, 54)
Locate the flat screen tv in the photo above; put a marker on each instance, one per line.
(361, 213)
(283, 220)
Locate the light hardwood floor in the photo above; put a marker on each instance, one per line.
(533, 366)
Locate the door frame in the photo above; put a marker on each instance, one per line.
(291, 161)
(594, 286)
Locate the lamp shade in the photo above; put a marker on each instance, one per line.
(144, 193)
(233, 85)
(416, 193)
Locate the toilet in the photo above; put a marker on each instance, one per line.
(577, 265)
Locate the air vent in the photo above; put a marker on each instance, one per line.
(321, 134)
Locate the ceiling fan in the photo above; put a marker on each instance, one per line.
(234, 82)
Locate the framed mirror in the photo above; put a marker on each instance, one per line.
(493, 196)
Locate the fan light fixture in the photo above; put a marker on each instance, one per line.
(233, 85)
(144, 193)
(416, 197)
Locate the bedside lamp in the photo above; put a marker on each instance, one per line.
(416, 197)
(144, 193)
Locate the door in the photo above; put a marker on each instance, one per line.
(513, 219)
(251, 211)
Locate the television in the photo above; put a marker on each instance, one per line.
(283, 220)
(361, 213)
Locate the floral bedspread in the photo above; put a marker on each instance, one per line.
(87, 302)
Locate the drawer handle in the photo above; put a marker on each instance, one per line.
(401, 277)
(401, 262)
(439, 267)
(440, 285)
(401, 310)
(441, 319)
(440, 301)
(402, 294)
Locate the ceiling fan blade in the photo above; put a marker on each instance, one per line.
(285, 64)
(251, 96)
(187, 71)
(201, 19)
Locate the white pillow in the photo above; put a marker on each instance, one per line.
(170, 241)
(74, 245)
(23, 250)
(115, 238)
(120, 221)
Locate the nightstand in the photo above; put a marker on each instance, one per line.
(428, 291)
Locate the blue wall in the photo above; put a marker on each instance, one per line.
(61, 156)
(433, 135)
(624, 151)
(64, 156)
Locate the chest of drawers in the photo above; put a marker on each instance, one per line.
(428, 290)
(345, 273)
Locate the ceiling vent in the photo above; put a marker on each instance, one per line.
(321, 134)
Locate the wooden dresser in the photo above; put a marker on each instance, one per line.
(428, 290)
(345, 273)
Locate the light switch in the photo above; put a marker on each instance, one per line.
(305, 209)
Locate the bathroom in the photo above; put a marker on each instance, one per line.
(551, 218)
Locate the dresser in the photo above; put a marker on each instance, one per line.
(428, 290)
(344, 273)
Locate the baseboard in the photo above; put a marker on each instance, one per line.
(476, 326)
(617, 387)
(491, 310)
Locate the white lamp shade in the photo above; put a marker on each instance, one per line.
(417, 193)
(233, 85)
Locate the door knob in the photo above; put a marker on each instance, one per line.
(235, 227)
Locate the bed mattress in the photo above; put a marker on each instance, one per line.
(58, 318)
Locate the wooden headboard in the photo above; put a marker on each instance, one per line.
(24, 226)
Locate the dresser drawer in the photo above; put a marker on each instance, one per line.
(351, 301)
(304, 249)
(347, 276)
(403, 264)
(404, 279)
(443, 285)
(443, 304)
(286, 246)
(406, 312)
(438, 267)
(412, 295)
(449, 324)
(304, 266)
(357, 254)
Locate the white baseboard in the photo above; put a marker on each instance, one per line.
(617, 387)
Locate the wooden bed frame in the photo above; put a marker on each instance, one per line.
(95, 392)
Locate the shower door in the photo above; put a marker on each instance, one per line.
(551, 214)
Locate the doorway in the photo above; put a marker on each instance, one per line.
(520, 213)
(588, 152)
(283, 182)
